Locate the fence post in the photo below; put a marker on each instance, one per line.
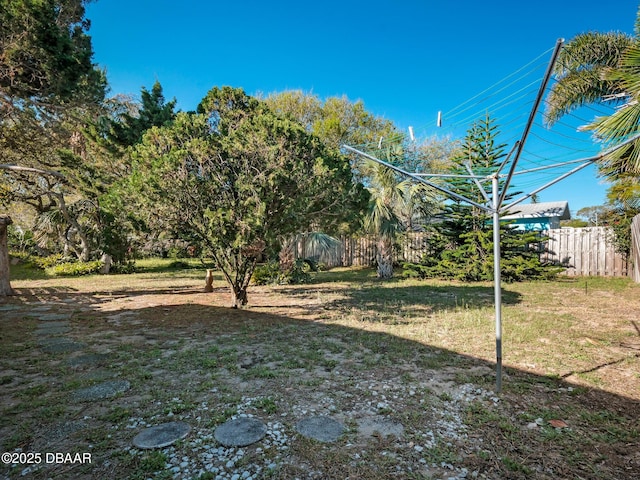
(635, 249)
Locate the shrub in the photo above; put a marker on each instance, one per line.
(36, 262)
(270, 273)
(301, 272)
(124, 268)
(47, 262)
(267, 274)
(73, 269)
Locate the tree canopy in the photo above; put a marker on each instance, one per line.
(47, 84)
(46, 54)
(235, 177)
(603, 67)
(154, 111)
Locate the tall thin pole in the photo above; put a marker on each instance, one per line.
(532, 114)
(497, 286)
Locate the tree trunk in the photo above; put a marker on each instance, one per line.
(238, 297)
(286, 256)
(84, 253)
(5, 285)
(384, 256)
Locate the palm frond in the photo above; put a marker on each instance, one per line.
(581, 73)
(591, 49)
(47, 226)
(318, 242)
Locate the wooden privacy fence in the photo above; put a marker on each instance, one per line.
(583, 251)
(361, 251)
(635, 249)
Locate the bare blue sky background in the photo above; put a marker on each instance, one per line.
(405, 60)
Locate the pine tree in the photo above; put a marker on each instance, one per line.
(154, 111)
(462, 244)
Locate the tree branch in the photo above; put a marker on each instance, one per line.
(17, 168)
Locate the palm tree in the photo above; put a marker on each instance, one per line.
(624, 123)
(603, 67)
(387, 193)
(606, 67)
(579, 73)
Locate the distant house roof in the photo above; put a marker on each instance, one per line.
(558, 210)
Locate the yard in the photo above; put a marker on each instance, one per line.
(406, 367)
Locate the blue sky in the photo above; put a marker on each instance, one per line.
(405, 60)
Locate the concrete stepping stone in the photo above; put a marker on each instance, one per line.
(367, 427)
(52, 328)
(240, 432)
(161, 435)
(60, 345)
(96, 375)
(10, 308)
(88, 360)
(50, 317)
(320, 428)
(102, 391)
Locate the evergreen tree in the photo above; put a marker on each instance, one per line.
(154, 111)
(462, 243)
(236, 178)
(48, 84)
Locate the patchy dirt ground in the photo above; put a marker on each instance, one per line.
(410, 409)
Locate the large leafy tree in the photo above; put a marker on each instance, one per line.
(47, 82)
(235, 177)
(46, 54)
(48, 86)
(395, 204)
(336, 120)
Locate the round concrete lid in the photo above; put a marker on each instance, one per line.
(161, 435)
(321, 428)
(240, 432)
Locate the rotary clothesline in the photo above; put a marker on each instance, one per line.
(500, 183)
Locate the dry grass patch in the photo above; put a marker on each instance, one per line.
(405, 353)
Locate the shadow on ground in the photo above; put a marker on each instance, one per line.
(202, 364)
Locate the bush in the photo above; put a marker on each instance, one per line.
(267, 274)
(270, 273)
(33, 261)
(301, 272)
(74, 269)
(47, 262)
(124, 268)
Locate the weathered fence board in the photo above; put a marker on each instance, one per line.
(635, 249)
(583, 251)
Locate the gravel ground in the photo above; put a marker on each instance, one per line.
(200, 454)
